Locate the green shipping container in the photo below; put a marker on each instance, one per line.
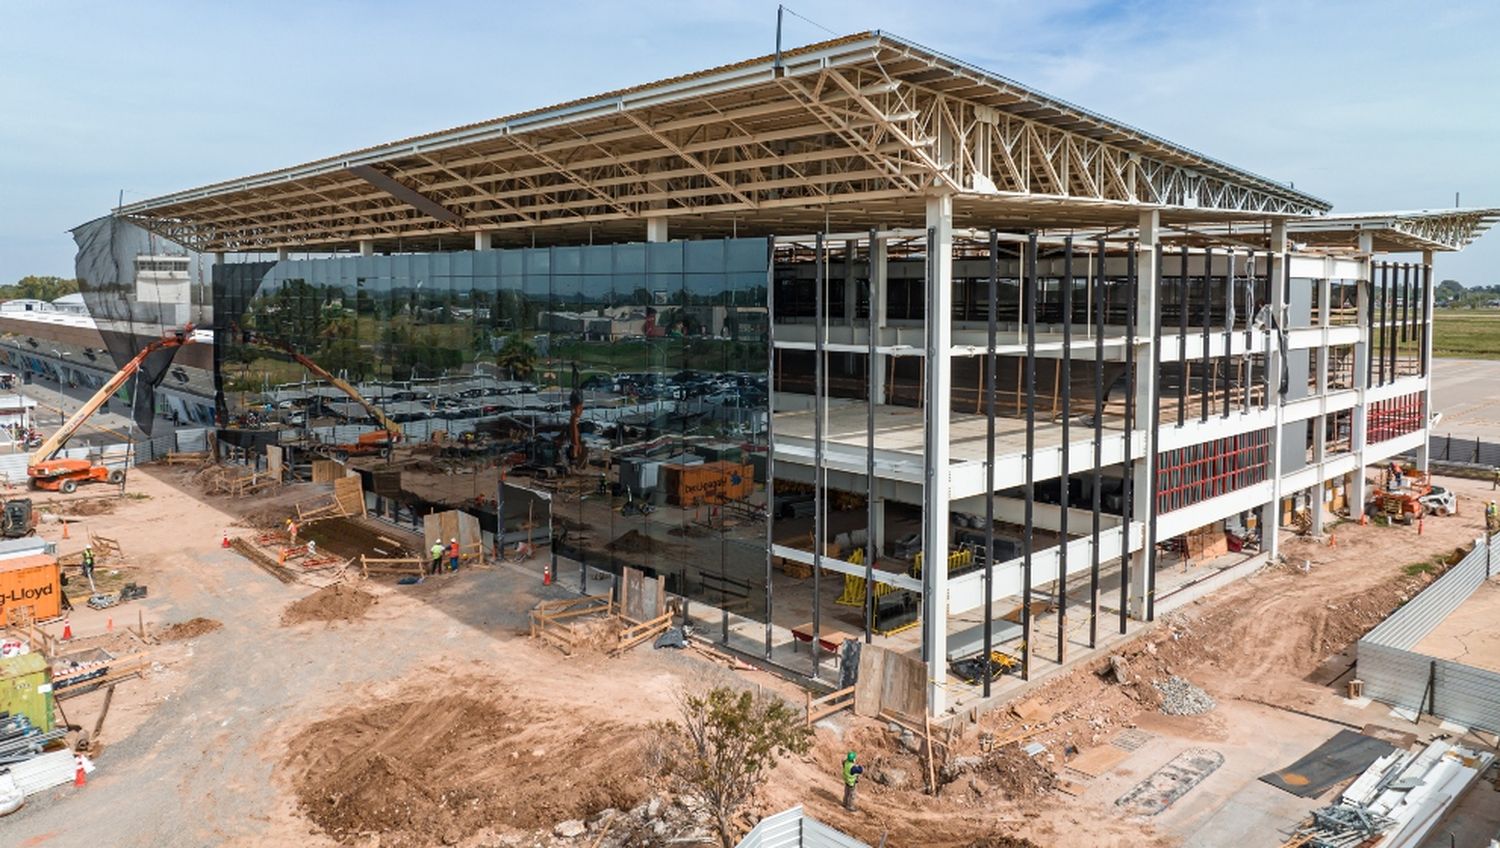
(26, 689)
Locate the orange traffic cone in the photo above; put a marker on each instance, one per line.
(109, 625)
(67, 630)
(65, 529)
(79, 777)
(224, 543)
(1332, 542)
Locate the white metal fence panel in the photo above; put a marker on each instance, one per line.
(1395, 674)
(793, 829)
(192, 441)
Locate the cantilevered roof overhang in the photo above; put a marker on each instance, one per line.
(849, 133)
(1397, 232)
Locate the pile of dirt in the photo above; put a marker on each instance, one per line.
(692, 531)
(91, 506)
(1003, 842)
(338, 602)
(190, 629)
(427, 770)
(636, 542)
(1017, 774)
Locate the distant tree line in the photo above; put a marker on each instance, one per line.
(38, 288)
(1453, 294)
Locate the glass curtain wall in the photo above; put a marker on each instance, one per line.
(623, 385)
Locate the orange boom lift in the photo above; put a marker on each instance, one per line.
(64, 475)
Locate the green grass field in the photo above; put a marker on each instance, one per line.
(1466, 334)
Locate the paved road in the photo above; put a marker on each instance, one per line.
(1467, 392)
(111, 427)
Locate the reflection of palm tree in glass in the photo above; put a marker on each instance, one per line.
(517, 357)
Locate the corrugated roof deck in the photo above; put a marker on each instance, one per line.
(855, 129)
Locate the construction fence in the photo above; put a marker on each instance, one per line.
(1473, 451)
(121, 455)
(791, 829)
(1395, 673)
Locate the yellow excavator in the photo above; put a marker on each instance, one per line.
(64, 475)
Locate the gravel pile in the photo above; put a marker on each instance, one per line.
(1179, 697)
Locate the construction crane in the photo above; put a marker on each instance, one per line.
(64, 475)
(368, 443)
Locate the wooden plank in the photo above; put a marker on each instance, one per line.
(1097, 761)
(868, 685)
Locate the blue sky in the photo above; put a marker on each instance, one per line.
(1372, 105)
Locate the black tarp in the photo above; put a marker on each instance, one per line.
(1344, 756)
(105, 266)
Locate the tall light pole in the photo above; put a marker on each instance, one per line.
(62, 416)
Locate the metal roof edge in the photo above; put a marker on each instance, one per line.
(1063, 105)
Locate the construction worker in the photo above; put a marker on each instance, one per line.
(453, 554)
(291, 530)
(88, 566)
(1496, 482)
(851, 780)
(1491, 515)
(437, 556)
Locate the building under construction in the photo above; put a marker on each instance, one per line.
(854, 341)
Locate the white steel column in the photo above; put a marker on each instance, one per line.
(1270, 514)
(879, 272)
(1143, 499)
(1424, 454)
(366, 247)
(656, 229)
(1355, 494)
(283, 254)
(483, 241)
(939, 314)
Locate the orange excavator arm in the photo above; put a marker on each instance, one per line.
(322, 373)
(55, 442)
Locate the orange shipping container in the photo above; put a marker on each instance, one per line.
(711, 482)
(30, 581)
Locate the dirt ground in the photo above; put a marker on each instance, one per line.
(427, 716)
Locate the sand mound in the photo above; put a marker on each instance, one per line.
(428, 770)
(190, 629)
(1017, 774)
(338, 602)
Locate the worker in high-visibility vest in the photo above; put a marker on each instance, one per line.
(453, 554)
(88, 566)
(851, 780)
(437, 556)
(1491, 516)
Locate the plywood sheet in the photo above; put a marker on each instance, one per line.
(350, 495)
(871, 679)
(631, 593)
(274, 460)
(904, 689)
(326, 471)
(1097, 761)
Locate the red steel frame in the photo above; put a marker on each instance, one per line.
(1198, 472)
(1394, 417)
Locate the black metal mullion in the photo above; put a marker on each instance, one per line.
(1182, 325)
(1029, 298)
(1099, 310)
(991, 364)
(1155, 453)
(1132, 286)
(1380, 327)
(1208, 302)
(1066, 292)
(819, 495)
